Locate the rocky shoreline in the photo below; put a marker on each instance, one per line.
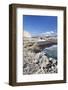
(37, 62)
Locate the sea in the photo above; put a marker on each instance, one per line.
(51, 51)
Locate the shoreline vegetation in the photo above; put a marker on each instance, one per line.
(35, 59)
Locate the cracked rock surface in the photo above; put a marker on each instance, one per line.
(36, 61)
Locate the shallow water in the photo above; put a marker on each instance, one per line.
(51, 51)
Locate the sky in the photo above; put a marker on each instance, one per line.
(37, 25)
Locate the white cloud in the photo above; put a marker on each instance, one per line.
(50, 33)
(27, 34)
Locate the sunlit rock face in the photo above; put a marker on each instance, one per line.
(38, 62)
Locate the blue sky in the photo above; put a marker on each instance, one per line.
(37, 25)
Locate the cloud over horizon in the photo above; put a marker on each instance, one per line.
(49, 33)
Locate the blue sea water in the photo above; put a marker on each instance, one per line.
(51, 51)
